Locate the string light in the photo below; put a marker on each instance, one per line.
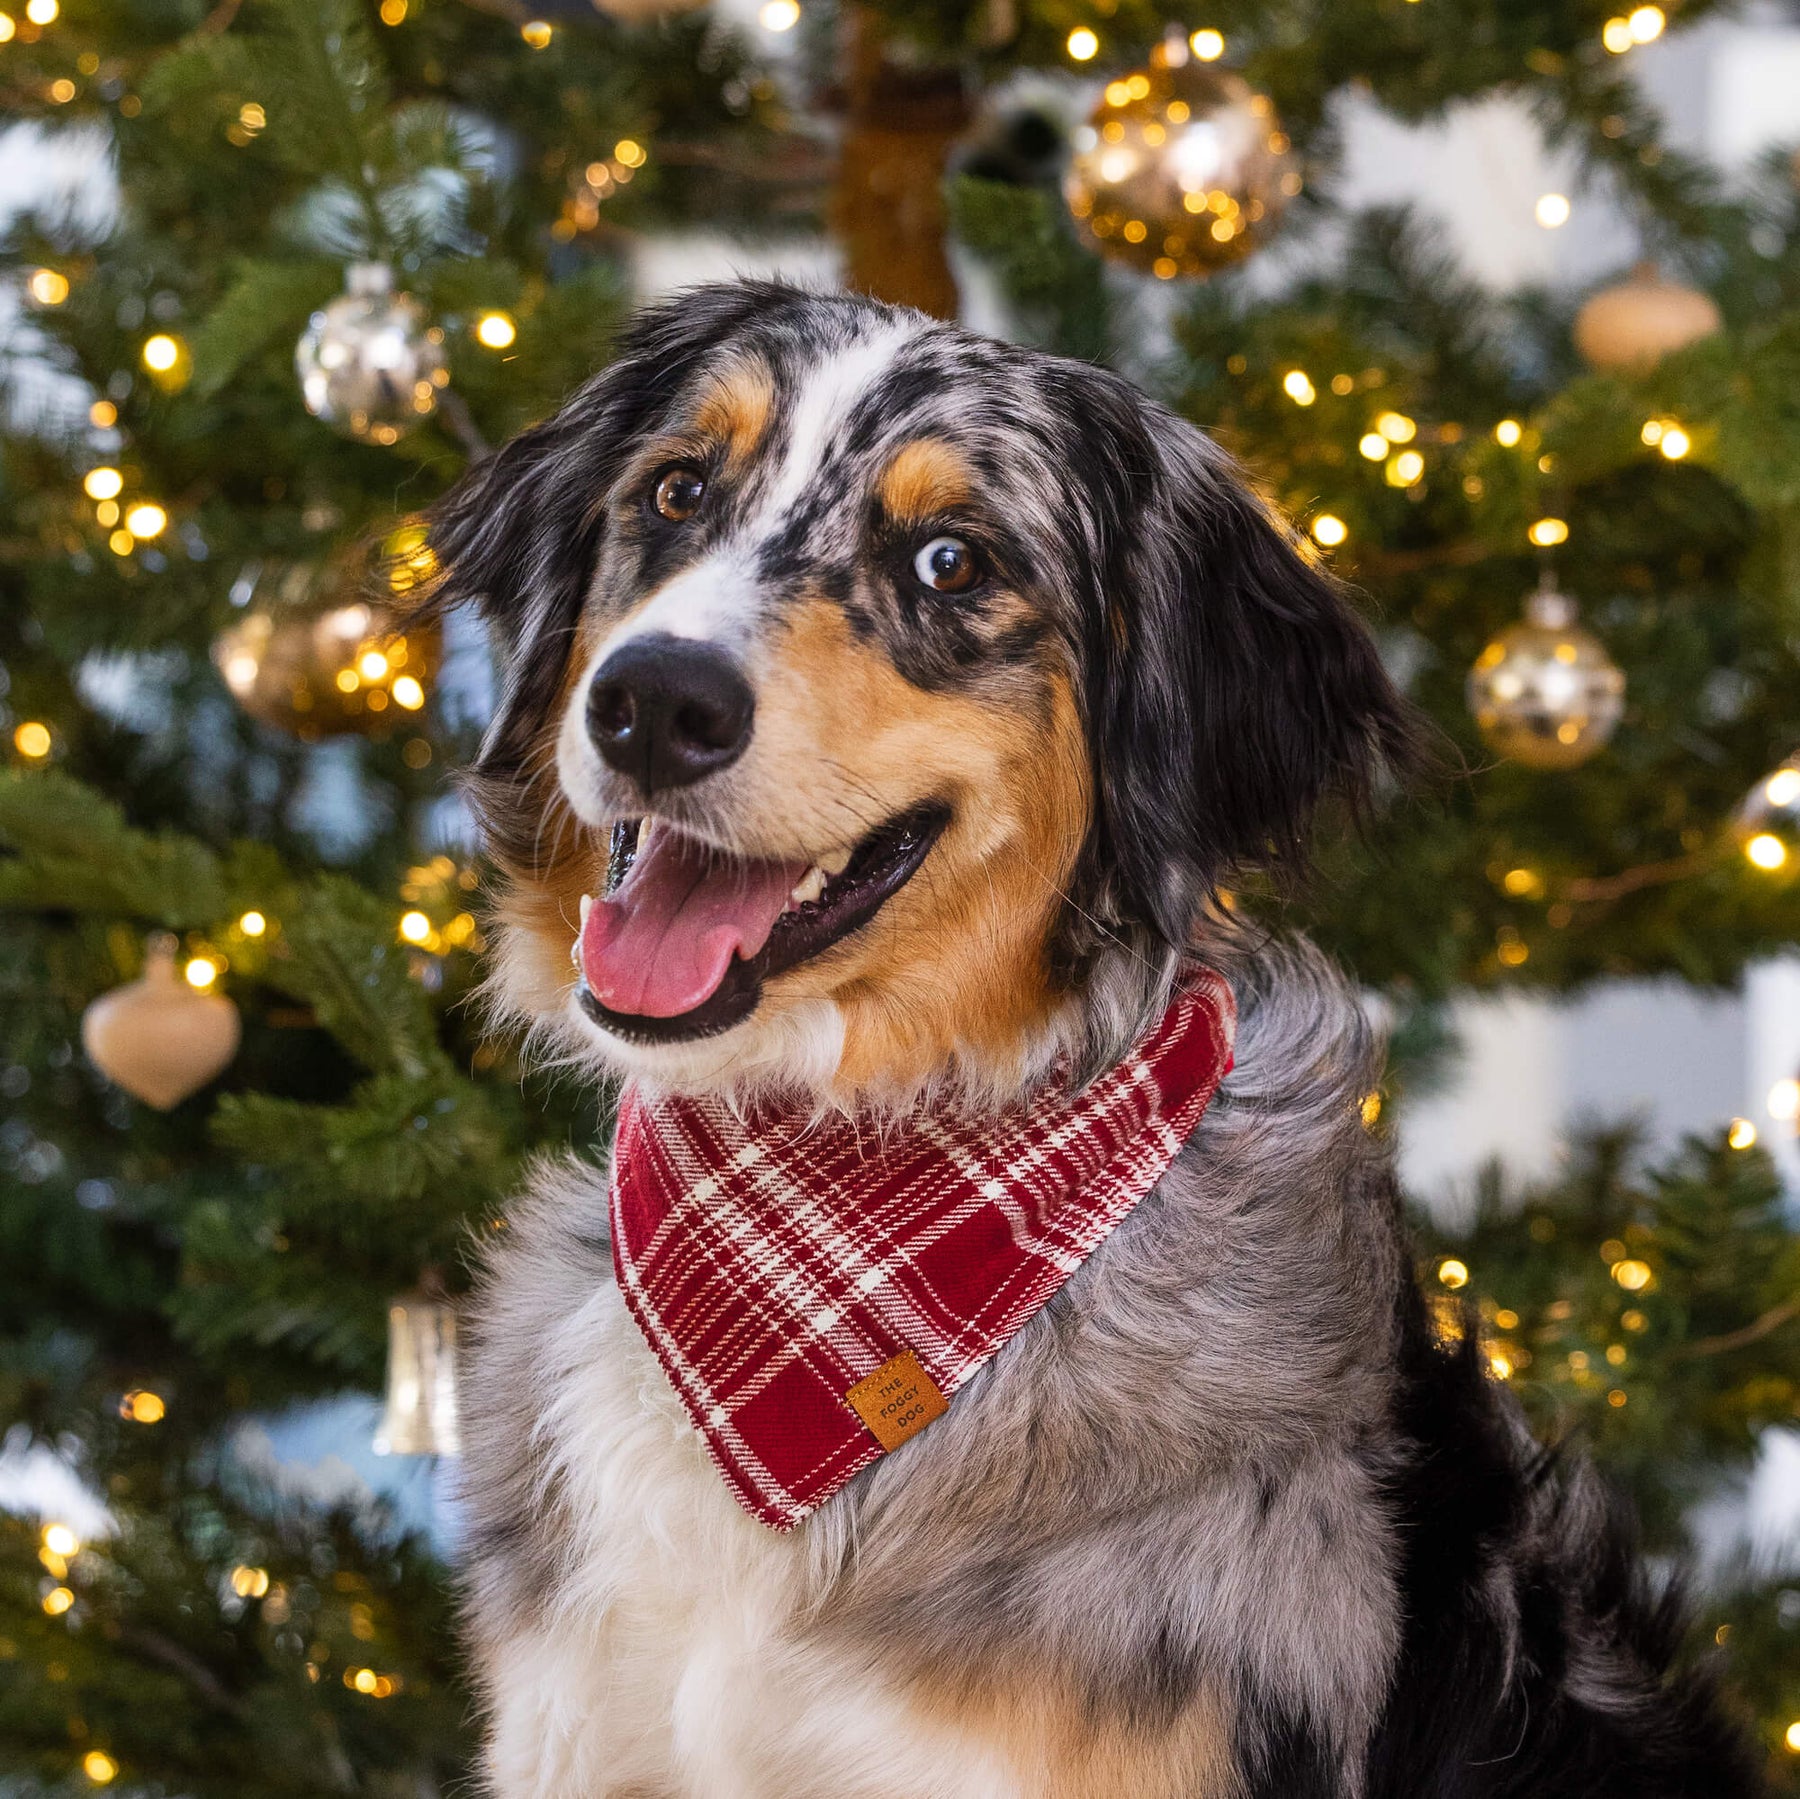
(1208, 45)
(99, 1767)
(249, 1583)
(102, 483)
(1373, 445)
(1634, 1276)
(1298, 388)
(1507, 433)
(161, 353)
(7, 28)
(1615, 34)
(253, 924)
(1782, 788)
(141, 1406)
(1552, 210)
(1453, 1274)
(495, 330)
(1792, 1738)
(1523, 883)
(1330, 530)
(631, 153)
(1547, 533)
(1396, 427)
(1083, 44)
(32, 740)
(1766, 851)
(415, 927)
(146, 520)
(537, 33)
(1741, 1134)
(47, 287)
(1406, 469)
(1646, 24)
(393, 12)
(1500, 1363)
(408, 693)
(42, 12)
(57, 1601)
(1674, 443)
(121, 543)
(779, 15)
(200, 972)
(103, 414)
(59, 1539)
(1784, 1100)
(366, 1680)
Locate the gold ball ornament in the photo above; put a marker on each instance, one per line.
(317, 655)
(1637, 323)
(1545, 692)
(371, 363)
(1183, 169)
(1767, 825)
(157, 1037)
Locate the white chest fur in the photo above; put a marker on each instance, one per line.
(662, 1665)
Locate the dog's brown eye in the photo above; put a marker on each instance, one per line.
(679, 492)
(946, 564)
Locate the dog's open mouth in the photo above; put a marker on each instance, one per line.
(683, 939)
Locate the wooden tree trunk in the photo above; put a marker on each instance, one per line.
(888, 205)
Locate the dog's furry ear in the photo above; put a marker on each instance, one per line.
(1235, 688)
(519, 535)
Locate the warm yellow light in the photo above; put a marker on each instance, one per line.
(41, 12)
(1792, 1739)
(1784, 1100)
(201, 972)
(779, 15)
(102, 483)
(146, 519)
(121, 543)
(99, 1767)
(7, 28)
(1396, 427)
(60, 1540)
(1373, 445)
(1634, 1276)
(57, 1601)
(1552, 210)
(415, 927)
(1782, 788)
(1083, 45)
(1501, 1364)
(1507, 1320)
(161, 352)
(1452, 1273)
(249, 1583)
(1329, 529)
(1766, 851)
(1741, 1134)
(1208, 45)
(251, 116)
(1652, 432)
(408, 693)
(1646, 23)
(103, 414)
(1508, 432)
(495, 330)
(1615, 34)
(141, 1406)
(372, 665)
(253, 924)
(630, 152)
(1548, 532)
(537, 33)
(1405, 469)
(1298, 387)
(1616, 1397)
(107, 514)
(1523, 883)
(393, 12)
(1675, 442)
(32, 740)
(48, 288)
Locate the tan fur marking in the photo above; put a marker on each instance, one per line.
(1064, 1750)
(926, 476)
(735, 410)
(954, 967)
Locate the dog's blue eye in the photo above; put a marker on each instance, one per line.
(947, 565)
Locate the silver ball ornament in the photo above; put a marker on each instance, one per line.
(1545, 692)
(370, 363)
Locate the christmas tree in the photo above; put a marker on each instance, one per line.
(352, 247)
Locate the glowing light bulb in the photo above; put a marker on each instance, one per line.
(1784, 1100)
(47, 287)
(1453, 1273)
(1208, 45)
(60, 1540)
(1766, 851)
(57, 1601)
(32, 740)
(99, 1767)
(1507, 433)
(1406, 469)
(1083, 45)
(1782, 788)
(1547, 533)
(1396, 427)
(200, 972)
(1615, 34)
(1646, 24)
(537, 33)
(161, 352)
(1741, 1134)
(408, 693)
(1298, 387)
(140, 1406)
(779, 15)
(146, 520)
(495, 330)
(1552, 210)
(1674, 443)
(102, 483)
(253, 924)
(1373, 445)
(415, 927)
(42, 12)
(1329, 529)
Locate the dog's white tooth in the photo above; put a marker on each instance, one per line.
(812, 884)
(587, 905)
(835, 864)
(643, 833)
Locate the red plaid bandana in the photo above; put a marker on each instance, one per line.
(774, 1265)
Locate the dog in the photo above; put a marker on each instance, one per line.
(934, 693)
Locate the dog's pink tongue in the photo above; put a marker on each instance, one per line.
(660, 946)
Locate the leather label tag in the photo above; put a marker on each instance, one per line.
(898, 1400)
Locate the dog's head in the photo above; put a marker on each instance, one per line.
(882, 703)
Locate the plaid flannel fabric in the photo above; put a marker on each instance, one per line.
(773, 1263)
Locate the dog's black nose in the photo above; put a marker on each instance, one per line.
(667, 710)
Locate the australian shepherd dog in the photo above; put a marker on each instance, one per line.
(921, 696)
